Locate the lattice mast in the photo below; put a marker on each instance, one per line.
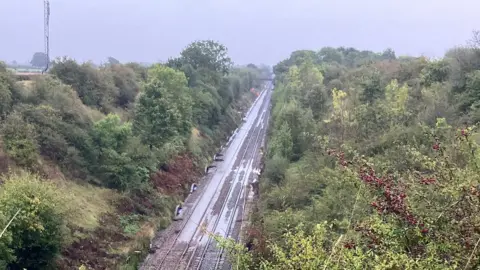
(46, 26)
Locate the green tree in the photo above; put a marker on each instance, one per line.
(372, 88)
(329, 54)
(282, 144)
(112, 61)
(95, 87)
(114, 164)
(164, 110)
(312, 89)
(39, 228)
(19, 140)
(39, 59)
(5, 91)
(435, 71)
(127, 83)
(389, 54)
(6, 253)
(207, 54)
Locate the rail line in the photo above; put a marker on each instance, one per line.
(165, 253)
(231, 188)
(220, 259)
(257, 136)
(219, 216)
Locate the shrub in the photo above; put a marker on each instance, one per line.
(39, 228)
(19, 140)
(6, 253)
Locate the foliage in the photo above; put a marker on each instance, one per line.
(376, 170)
(164, 109)
(113, 164)
(208, 55)
(19, 140)
(38, 232)
(130, 223)
(6, 85)
(6, 253)
(93, 87)
(39, 59)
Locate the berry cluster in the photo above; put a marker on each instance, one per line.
(428, 181)
(392, 199)
(424, 230)
(349, 245)
(372, 238)
(392, 195)
(463, 134)
(339, 155)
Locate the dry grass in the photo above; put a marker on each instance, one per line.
(195, 142)
(91, 203)
(88, 202)
(27, 84)
(147, 231)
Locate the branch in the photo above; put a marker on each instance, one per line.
(10, 222)
(473, 253)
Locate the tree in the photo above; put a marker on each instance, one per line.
(39, 59)
(207, 54)
(140, 71)
(113, 61)
(94, 87)
(312, 90)
(6, 85)
(282, 143)
(126, 81)
(389, 54)
(39, 229)
(164, 110)
(19, 139)
(435, 71)
(372, 88)
(6, 253)
(329, 54)
(113, 164)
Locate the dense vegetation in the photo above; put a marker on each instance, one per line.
(107, 139)
(372, 163)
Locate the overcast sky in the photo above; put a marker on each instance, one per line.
(258, 31)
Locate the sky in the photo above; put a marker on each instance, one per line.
(254, 31)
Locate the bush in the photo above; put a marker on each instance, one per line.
(275, 169)
(6, 253)
(39, 229)
(19, 140)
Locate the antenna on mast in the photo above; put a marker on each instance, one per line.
(46, 26)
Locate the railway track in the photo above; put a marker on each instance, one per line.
(188, 247)
(196, 261)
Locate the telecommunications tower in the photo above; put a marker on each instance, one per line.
(46, 26)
